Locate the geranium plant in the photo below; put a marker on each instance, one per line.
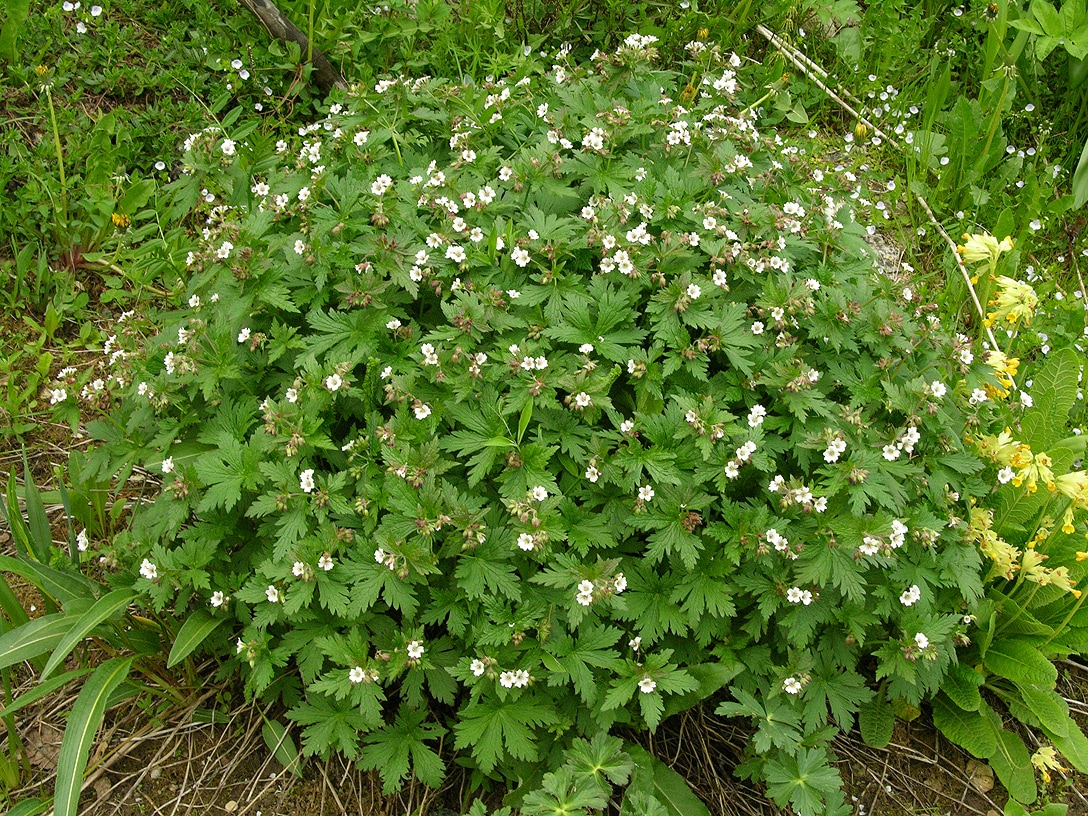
(492, 416)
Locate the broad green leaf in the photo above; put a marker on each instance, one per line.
(42, 690)
(64, 587)
(86, 716)
(669, 788)
(1048, 706)
(196, 629)
(1053, 390)
(968, 729)
(101, 610)
(961, 684)
(876, 721)
(17, 11)
(1012, 765)
(1019, 661)
(281, 745)
(38, 637)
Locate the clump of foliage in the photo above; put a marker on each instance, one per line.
(532, 409)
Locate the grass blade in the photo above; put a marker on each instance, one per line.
(36, 638)
(14, 516)
(193, 632)
(41, 537)
(102, 609)
(29, 807)
(64, 587)
(42, 690)
(83, 724)
(10, 604)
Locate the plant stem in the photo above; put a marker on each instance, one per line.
(60, 157)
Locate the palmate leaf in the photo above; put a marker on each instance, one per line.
(328, 727)
(495, 729)
(603, 756)
(398, 749)
(561, 794)
(577, 659)
(804, 781)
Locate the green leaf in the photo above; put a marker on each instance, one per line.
(281, 745)
(1080, 179)
(42, 690)
(41, 538)
(710, 676)
(1012, 765)
(75, 747)
(1054, 390)
(196, 629)
(17, 11)
(961, 684)
(1018, 660)
(39, 636)
(968, 729)
(1048, 706)
(804, 781)
(29, 807)
(61, 586)
(668, 787)
(876, 721)
(101, 610)
(396, 748)
(494, 729)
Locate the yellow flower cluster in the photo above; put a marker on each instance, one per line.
(1014, 301)
(984, 247)
(1005, 369)
(1004, 555)
(1030, 468)
(1046, 760)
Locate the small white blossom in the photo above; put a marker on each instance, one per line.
(356, 675)
(645, 493)
(540, 493)
(272, 594)
(477, 667)
(218, 599)
(149, 570)
(415, 650)
(921, 641)
(526, 542)
(306, 480)
(168, 464)
(422, 410)
(911, 595)
(647, 685)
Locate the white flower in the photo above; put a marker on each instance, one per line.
(1005, 475)
(645, 493)
(521, 678)
(978, 395)
(910, 595)
(361, 137)
(455, 253)
(520, 256)
(506, 679)
(272, 594)
(304, 194)
(243, 335)
(291, 395)
(334, 382)
(224, 250)
(227, 147)
(298, 569)
(168, 464)
(306, 480)
(791, 685)
(415, 650)
(582, 399)
(891, 452)
(218, 599)
(381, 184)
(619, 583)
(82, 541)
(966, 357)
(756, 416)
(422, 410)
(57, 395)
(477, 667)
(693, 291)
(149, 570)
(325, 562)
(757, 327)
(526, 542)
(592, 473)
(96, 11)
(921, 640)
(938, 389)
(627, 426)
(585, 348)
(794, 594)
(356, 675)
(647, 685)
(81, 27)
(540, 493)
(835, 449)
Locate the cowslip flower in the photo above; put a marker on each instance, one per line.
(977, 248)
